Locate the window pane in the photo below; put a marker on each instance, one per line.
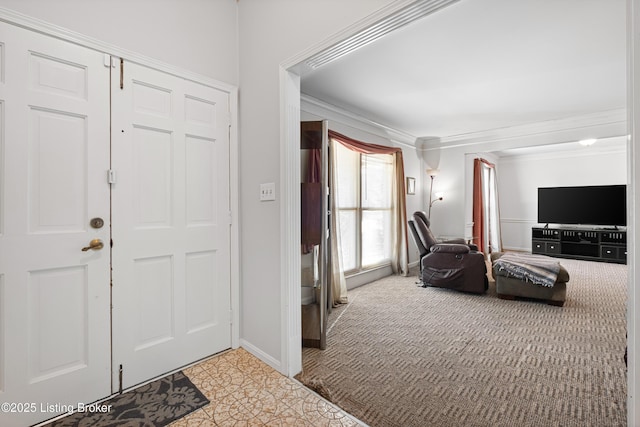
(376, 237)
(348, 239)
(364, 197)
(376, 180)
(347, 176)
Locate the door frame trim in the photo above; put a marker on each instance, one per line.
(290, 73)
(29, 23)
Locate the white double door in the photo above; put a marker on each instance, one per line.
(150, 291)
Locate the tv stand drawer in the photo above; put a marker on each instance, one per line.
(545, 247)
(552, 248)
(613, 252)
(537, 247)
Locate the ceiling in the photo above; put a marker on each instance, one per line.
(478, 65)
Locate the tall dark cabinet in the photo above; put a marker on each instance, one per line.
(314, 172)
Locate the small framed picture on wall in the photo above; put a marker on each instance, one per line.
(411, 185)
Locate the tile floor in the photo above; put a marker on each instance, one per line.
(244, 391)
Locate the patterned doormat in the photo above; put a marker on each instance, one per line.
(153, 405)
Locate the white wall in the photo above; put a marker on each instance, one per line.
(196, 35)
(447, 215)
(271, 33)
(414, 167)
(520, 176)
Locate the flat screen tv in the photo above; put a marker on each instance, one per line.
(604, 205)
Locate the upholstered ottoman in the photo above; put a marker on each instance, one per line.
(508, 287)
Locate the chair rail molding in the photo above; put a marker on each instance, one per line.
(518, 221)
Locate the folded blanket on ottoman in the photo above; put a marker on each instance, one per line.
(537, 269)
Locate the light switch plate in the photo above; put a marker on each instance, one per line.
(267, 191)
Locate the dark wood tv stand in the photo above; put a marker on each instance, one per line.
(592, 244)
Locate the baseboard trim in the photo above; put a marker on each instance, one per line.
(269, 360)
(364, 277)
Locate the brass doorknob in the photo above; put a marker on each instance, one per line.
(95, 245)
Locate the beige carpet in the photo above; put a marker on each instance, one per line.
(401, 355)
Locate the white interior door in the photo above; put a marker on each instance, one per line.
(171, 232)
(54, 297)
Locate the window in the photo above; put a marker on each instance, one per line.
(490, 206)
(486, 214)
(364, 208)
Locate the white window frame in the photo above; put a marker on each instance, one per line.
(359, 210)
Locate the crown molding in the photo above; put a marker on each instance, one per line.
(604, 124)
(387, 19)
(572, 151)
(379, 29)
(332, 112)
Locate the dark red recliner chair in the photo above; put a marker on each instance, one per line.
(451, 264)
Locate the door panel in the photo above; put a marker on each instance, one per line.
(153, 290)
(200, 185)
(47, 153)
(54, 298)
(171, 277)
(152, 154)
(58, 343)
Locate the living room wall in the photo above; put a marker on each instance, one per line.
(519, 177)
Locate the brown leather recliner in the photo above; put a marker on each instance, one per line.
(428, 237)
(451, 264)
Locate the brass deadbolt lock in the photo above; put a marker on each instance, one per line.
(97, 222)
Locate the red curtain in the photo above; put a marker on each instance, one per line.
(478, 205)
(363, 147)
(366, 148)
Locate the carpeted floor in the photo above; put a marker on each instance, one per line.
(401, 355)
